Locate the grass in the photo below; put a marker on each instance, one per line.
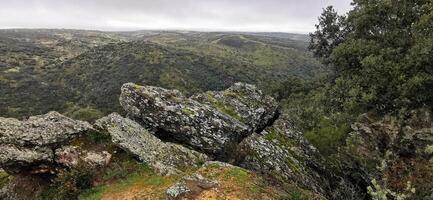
(142, 181)
(4, 179)
(234, 183)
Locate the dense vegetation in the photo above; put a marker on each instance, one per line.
(80, 72)
(381, 55)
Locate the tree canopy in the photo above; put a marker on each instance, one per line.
(381, 53)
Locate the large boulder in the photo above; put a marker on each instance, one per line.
(214, 126)
(281, 153)
(30, 145)
(243, 102)
(165, 158)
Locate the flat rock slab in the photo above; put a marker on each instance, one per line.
(165, 158)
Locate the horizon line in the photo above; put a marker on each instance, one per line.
(204, 30)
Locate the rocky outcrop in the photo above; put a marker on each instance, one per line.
(281, 152)
(165, 158)
(243, 102)
(236, 125)
(214, 125)
(32, 145)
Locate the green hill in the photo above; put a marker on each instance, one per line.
(64, 70)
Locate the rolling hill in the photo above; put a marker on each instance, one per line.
(43, 70)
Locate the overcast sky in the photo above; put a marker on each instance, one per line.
(208, 15)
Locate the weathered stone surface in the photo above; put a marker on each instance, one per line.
(243, 102)
(190, 186)
(166, 158)
(213, 122)
(181, 119)
(72, 156)
(42, 130)
(30, 145)
(282, 153)
(97, 159)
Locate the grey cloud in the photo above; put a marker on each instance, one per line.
(236, 15)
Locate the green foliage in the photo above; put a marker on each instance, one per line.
(330, 32)
(70, 183)
(384, 62)
(328, 135)
(86, 114)
(80, 72)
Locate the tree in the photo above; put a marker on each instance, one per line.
(381, 53)
(330, 32)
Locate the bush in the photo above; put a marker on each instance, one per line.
(70, 183)
(86, 114)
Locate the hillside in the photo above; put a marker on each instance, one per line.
(66, 70)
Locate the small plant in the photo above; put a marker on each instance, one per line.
(379, 192)
(69, 184)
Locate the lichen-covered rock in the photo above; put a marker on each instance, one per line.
(183, 119)
(190, 186)
(42, 130)
(30, 145)
(282, 153)
(243, 102)
(165, 158)
(72, 156)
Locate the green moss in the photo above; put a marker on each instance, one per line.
(273, 135)
(224, 108)
(188, 111)
(238, 174)
(293, 166)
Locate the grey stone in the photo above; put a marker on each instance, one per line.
(165, 158)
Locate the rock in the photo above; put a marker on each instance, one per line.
(215, 125)
(97, 159)
(165, 158)
(72, 156)
(68, 156)
(243, 102)
(281, 152)
(30, 145)
(43, 130)
(190, 186)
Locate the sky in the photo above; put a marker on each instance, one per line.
(295, 16)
